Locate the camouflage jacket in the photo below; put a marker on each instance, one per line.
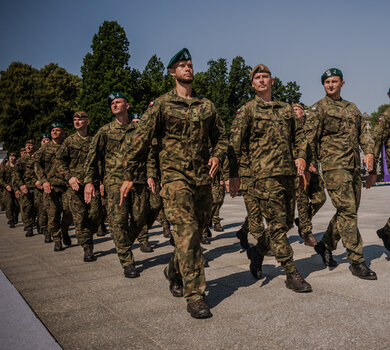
(46, 165)
(72, 156)
(7, 177)
(105, 149)
(382, 138)
(272, 137)
(183, 128)
(334, 131)
(24, 173)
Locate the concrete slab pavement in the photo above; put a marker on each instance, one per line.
(92, 306)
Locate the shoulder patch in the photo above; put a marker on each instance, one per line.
(151, 104)
(238, 111)
(313, 109)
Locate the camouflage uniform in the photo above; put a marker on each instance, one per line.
(335, 129)
(71, 157)
(106, 148)
(311, 200)
(274, 141)
(24, 174)
(383, 139)
(184, 128)
(218, 191)
(56, 202)
(11, 204)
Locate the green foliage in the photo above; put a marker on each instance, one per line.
(32, 99)
(375, 115)
(287, 93)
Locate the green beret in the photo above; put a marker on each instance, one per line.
(388, 92)
(114, 95)
(45, 136)
(30, 141)
(56, 125)
(332, 72)
(136, 116)
(12, 154)
(182, 55)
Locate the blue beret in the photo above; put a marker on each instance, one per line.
(114, 95)
(331, 72)
(182, 55)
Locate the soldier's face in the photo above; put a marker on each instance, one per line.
(30, 147)
(57, 134)
(183, 71)
(262, 82)
(12, 159)
(119, 105)
(299, 111)
(333, 85)
(80, 123)
(45, 140)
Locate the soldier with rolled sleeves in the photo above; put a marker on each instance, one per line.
(382, 139)
(25, 180)
(277, 148)
(7, 181)
(106, 148)
(184, 124)
(71, 157)
(335, 130)
(54, 187)
(311, 200)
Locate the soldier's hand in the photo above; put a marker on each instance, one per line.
(300, 163)
(47, 187)
(227, 186)
(17, 194)
(214, 165)
(89, 192)
(369, 161)
(312, 168)
(370, 181)
(234, 186)
(24, 189)
(125, 189)
(74, 183)
(152, 185)
(8, 188)
(101, 190)
(38, 184)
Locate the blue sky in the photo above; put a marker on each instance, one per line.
(298, 39)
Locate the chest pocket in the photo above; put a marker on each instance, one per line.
(76, 151)
(332, 122)
(285, 123)
(261, 123)
(176, 122)
(114, 142)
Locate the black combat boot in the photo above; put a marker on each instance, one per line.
(48, 238)
(66, 239)
(243, 237)
(218, 227)
(363, 271)
(296, 221)
(205, 240)
(256, 262)
(88, 254)
(175, 285)
(146, 247)
(384, 237)
(58, 246)
(29, 233)
(12, 224)
(102, 230)
(198, 309)
(166, 232)
(296, 283)
(310, 240)
(326, 255)
(130, 271)
(207, 230)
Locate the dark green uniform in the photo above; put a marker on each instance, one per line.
(184, 128)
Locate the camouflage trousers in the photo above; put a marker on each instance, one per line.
(276, 196)
(123, 232)
(59, 217)
(86, 217)
(254, 219)
(28, 202)
(11, 205)
(218, 193)
(344, 189)
(40, 210)
(103, 208)
(187, 207)
(309, 202)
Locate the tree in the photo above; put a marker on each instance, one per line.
(104, 70)
(287, 93)
(375, 115)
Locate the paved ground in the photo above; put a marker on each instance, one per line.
(92, 306)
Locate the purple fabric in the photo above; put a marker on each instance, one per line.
(386, 177)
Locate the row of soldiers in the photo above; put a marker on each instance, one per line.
(178, 151)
